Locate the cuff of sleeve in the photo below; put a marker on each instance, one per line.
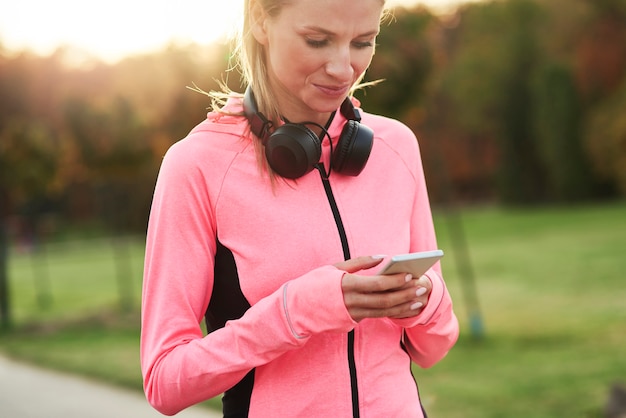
(314, 303)
(436, 296)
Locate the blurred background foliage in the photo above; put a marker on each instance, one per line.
(518, 102)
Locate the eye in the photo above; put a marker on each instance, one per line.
(316, 43)
(363, 44)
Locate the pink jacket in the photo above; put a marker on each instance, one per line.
(210, 193)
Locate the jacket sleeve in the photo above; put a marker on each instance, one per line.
(430, 335)
(180, 365)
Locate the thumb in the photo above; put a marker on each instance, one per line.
(360, 263)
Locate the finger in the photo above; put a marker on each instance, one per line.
(424, 281)
(375, 284)
(412, 308)
(360, 263)
(403, 302)
(405, 310)
(378, 300)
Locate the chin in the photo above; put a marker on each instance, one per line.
(328, 105)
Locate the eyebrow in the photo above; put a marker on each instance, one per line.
(328, 32)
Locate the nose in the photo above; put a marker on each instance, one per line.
(339, 64)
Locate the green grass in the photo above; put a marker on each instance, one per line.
(550, 287)
(75, 307)
(552, 297)
(105, 347)
(67, 279)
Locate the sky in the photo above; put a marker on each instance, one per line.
(113, 29)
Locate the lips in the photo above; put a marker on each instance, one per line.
(334, 91)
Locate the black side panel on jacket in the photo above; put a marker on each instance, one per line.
(228, 302)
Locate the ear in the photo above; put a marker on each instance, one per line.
(257, 20)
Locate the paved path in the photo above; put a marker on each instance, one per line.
(31, 392)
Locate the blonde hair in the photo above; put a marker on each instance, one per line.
(249, 60)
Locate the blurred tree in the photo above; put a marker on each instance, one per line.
(606, 141)
(463, 99)
(404, 60)
(601, 74)
(475, 67)
(521, 174)
(27, 162)
(27, 159)
(601, 50)
(5, 300)
(28, 141)
(492, 52)
(112, 146)
(559, 135)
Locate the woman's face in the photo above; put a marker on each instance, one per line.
(316, 50)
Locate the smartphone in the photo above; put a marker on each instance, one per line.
(415, 263)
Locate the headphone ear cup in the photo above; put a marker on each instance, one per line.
(292, 150)
(353, 148)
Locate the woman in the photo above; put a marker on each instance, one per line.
(252, 217)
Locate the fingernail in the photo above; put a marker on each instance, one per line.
(379, 256)
(421, 291)
(408, 278)
(417, 305)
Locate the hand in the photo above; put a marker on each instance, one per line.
(394, 296)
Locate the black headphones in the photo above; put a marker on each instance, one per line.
(293, 150)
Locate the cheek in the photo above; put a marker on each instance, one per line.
(293, 61)
(362, 62)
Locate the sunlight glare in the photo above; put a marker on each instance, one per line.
(115, 28)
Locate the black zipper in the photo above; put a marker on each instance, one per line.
(346, 256)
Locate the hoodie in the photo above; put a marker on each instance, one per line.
(255, 260)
